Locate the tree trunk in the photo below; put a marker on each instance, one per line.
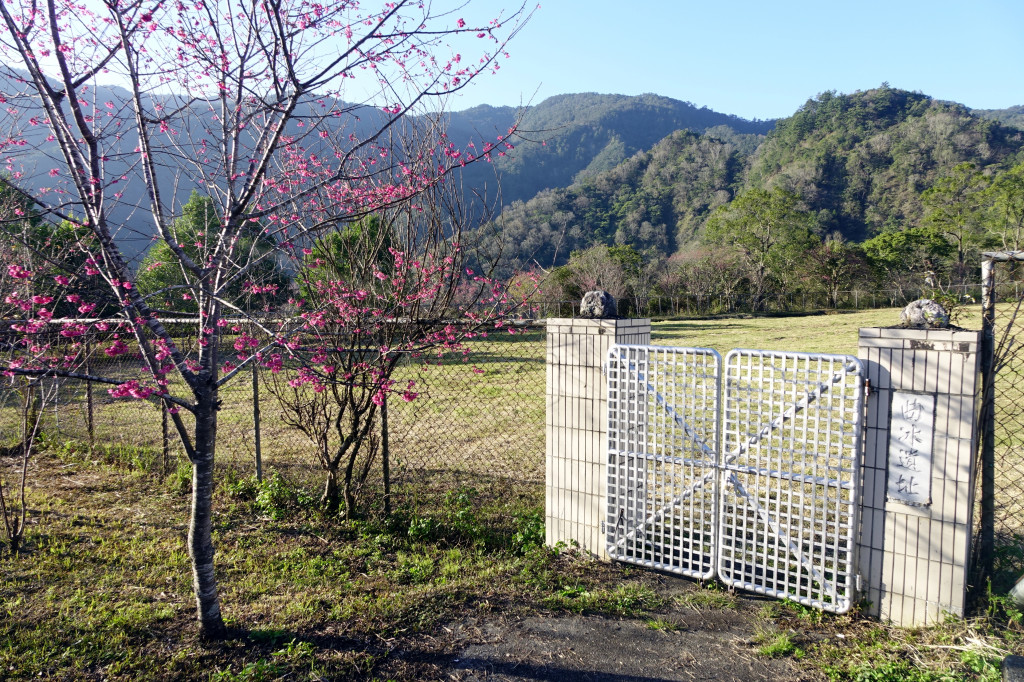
(16, 536)
(200, 537)
(353, 452)
(350, 496)
(331, 498)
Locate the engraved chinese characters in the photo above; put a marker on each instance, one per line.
(910, 448)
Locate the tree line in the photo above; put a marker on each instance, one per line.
(769, 244)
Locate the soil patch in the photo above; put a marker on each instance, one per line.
(684, 644)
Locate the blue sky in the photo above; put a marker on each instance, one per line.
(763, 59)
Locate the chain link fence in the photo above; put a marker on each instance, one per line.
(999, 540)
(478, 421)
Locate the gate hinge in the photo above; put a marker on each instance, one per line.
(604, 368)
(603, 531)
(857, 583)
(867, 388)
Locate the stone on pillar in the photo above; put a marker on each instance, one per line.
(918, 471)
(576, 462)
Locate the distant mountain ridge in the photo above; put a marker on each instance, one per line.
(1010, 116)
(648, 170)
(568, 137)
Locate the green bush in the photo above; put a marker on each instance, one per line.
(529, 533)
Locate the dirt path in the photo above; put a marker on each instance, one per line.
(592, 648)
(701, 644)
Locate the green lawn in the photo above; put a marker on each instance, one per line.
(835, 333)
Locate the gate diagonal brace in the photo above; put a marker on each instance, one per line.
(793, 410)
(773, 525)
(661, 402)
(741, 448)
(690, 432)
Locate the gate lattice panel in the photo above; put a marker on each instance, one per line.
(792, 429)
(777, 512)
(663, 406)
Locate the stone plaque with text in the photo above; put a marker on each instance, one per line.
(910, 448)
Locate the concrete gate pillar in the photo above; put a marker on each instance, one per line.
(918, 471)
(576, 462)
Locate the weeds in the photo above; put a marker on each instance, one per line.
(321, 591)
(464, 519)
(257, 671)
(711, 596)
(180, 480)
(986, 667)
(137, 459)
(779, 645)
(529, 534)
(663, 625)
(855, 650)
(275, 497)
(808, 614)
(626, 600)
(1002, 609)
(955, 650)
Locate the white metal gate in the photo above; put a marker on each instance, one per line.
(663, 406)
(775, 509)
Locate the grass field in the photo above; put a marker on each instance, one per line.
(102, 591)
(478, 421)
(832, 333)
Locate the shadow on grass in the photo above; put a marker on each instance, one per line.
(695, 326)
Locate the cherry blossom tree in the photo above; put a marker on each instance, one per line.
(392, 286)
(29, 394)
(115, 110)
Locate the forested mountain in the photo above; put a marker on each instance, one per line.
(655, 201)
(859, 163)
(564, 138)
(648, 172)
(569, 137)
(1011, 116)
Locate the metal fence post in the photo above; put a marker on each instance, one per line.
(385, 455)
(986, 548)
(166, 442)
(89, 423)
(256, 419)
